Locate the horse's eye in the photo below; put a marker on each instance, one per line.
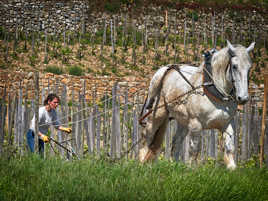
(235, 67)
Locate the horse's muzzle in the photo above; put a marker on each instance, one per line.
(242, 99)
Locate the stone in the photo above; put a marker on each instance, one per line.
(30, 75)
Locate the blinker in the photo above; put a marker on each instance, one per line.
(231, 53)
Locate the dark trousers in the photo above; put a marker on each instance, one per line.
(30, 142)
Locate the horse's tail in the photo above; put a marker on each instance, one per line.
(156, 85)
(154, 88)
(143, 107)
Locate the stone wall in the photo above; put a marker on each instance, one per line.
(86, 84)
(49, 82)
(56, 17)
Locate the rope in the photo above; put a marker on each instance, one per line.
(94, 116)
(175, 99)
(87, 108)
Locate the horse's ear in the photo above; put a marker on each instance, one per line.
(231, 49)
(230, 46)
(251, 47)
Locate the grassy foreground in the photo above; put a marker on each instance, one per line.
(32, 178)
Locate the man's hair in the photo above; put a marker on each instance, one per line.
(50, 97)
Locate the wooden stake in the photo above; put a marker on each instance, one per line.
(265, 103)
(166, 18)
(36, 109)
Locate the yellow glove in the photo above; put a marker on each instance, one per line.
(44, 138)
(67, 130)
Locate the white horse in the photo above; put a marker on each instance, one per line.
(204, 97)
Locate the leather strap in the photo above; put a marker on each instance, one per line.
(208, 85)
(178, 70)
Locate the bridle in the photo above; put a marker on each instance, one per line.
(210, 87)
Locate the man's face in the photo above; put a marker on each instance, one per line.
(54, 103)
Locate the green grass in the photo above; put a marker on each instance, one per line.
(75, 70)
(32, 178)
(54, 69)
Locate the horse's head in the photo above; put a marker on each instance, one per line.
(238, 70)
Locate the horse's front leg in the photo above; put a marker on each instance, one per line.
(177, 142)
(229, 147)
(194, 143)
(194, 148)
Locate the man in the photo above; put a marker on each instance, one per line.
(47, 117)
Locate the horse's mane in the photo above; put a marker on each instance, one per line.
(219, 64)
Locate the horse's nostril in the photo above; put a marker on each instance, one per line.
(243, 99)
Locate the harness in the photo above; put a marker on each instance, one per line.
(208, 85)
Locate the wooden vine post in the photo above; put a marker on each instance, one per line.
(36, 109)
(265, 103)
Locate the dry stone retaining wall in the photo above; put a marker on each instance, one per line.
(76, 85)
(49, 82)
(58, 16)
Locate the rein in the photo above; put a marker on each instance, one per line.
(192, 91)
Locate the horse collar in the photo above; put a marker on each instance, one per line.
(208, 84)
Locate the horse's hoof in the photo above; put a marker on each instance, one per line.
(231, 166)
(142, 154)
